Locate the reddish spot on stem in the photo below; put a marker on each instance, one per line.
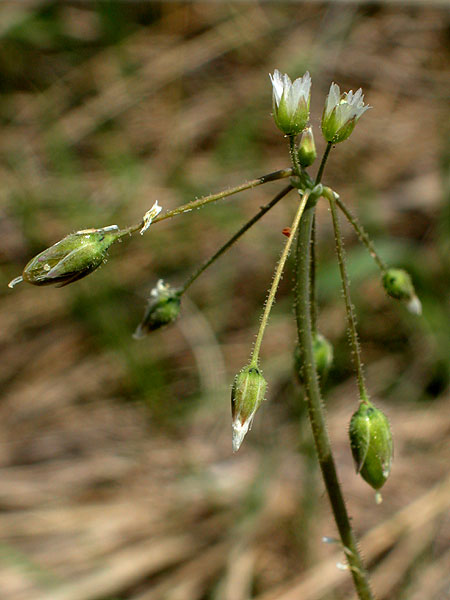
(287, 231)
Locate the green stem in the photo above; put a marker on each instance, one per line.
(362, 235)
(312, 278)
(323, 162)
(316, 410)
(294, 156)
(282, 174)
(277, 278)
(351, 318)
(235, 237)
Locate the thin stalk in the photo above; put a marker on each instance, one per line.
(362, 235)
(316, 409)
(349, 309)
(234, 239)
(277, 278)
(282, 174)
(323, 162)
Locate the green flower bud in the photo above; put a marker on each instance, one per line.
(70, 259)
(371, 444)
(323, 357)
(341, 113)
(398, 285)
(163, 308)
(247, 394)
(307, 152)
(291, 102)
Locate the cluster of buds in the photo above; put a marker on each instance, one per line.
(291, 102)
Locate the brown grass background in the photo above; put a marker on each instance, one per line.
(117, 479)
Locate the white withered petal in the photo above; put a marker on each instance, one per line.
(341, 113)
(291, 102)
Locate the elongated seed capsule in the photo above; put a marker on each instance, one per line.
(72, 258)
(371, 444)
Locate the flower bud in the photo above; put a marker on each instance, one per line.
(323, 357)
(398, 285)
(371, 444)
(70, 259)
(291, 102)
(163, 308)
(341, 113)
(307, 152)
(247, 394)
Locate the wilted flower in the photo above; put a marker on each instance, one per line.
(307, 152)
(398, 284)
(341, 113)
(371, 444)
(291, 102)
(70, 259)
(163, 308)
(247, 394)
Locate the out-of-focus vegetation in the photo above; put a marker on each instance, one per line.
(116, 474)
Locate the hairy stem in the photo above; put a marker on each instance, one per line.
(277, 278)
(282, 174)
(362, 235)
(235, 237)
(316, 411)
(351, 318)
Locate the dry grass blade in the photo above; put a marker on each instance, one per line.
(323, 578)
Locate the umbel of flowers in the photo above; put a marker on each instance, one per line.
(80, 253)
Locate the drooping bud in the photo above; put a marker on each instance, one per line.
(78, 254)
(398, 285)
(371, 444)
(291, 102)
(70, 259)
(341, 113)
(163, 308)
(323, 357)
(247, 394)
(307, 152)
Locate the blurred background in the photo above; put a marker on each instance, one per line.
(117, 479)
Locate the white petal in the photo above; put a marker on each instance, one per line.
(277, 85)
(333, 98)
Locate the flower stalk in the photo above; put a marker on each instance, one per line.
(277, 278)
(235, 238)
(349, 309)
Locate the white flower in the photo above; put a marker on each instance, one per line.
(291, 102)
(341, 113)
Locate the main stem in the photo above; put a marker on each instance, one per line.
(351, 319)
(316, 410)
